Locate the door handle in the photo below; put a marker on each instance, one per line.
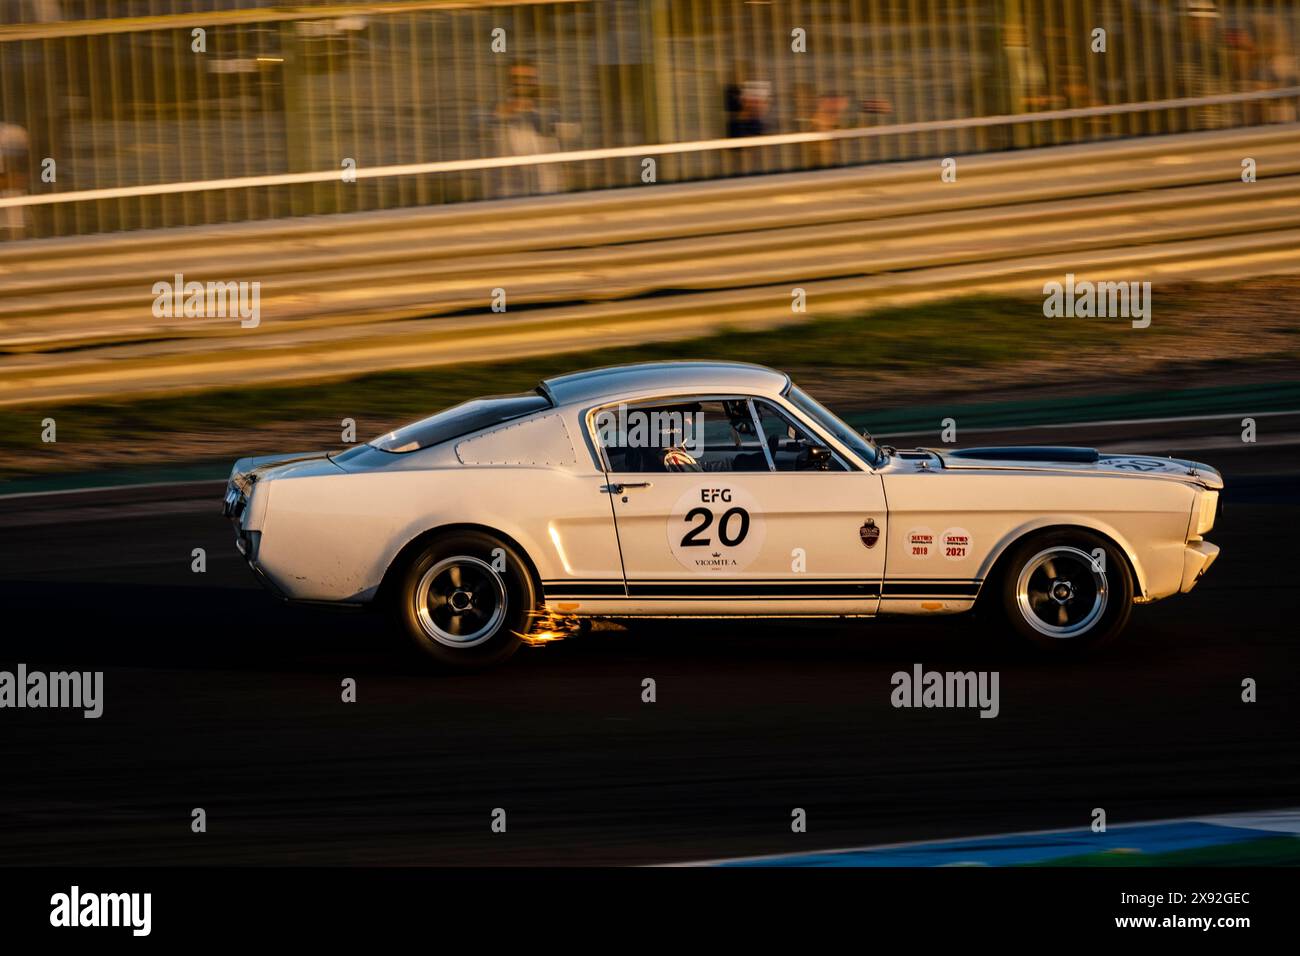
(617, 488)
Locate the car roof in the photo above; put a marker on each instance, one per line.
(663, 378)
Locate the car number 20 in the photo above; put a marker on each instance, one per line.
(715, 528)
(693, 539)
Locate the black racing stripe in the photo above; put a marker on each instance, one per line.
(821, 589)
(768, 589)
(594, 589)
(801, 581)
(750, 597)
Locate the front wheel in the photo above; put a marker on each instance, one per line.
(465, 599)
(1066, 592)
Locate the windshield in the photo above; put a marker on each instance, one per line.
(830, 423)
(460, 420)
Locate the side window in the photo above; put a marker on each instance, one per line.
(791, 446)
(685, 436)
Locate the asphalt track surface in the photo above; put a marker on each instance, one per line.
(217, 696)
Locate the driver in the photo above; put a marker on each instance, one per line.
(676, 457)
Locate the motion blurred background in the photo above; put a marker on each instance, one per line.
(796, 147)
(115, 92)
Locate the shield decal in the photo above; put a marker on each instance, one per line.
(869, 533)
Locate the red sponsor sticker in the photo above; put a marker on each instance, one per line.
(956, 544)
(920, 543)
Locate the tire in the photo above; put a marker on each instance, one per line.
(1065, 592)
(458, 609)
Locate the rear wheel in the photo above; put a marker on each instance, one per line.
(1066, 592)
(464, 600)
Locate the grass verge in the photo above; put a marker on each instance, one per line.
(897, 367)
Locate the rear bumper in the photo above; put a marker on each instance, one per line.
(1197, 558)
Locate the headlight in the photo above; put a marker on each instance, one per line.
(1209, 507)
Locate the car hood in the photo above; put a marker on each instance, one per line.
(1079, 460)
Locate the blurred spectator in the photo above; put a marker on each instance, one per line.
(1245, 69)
(1026, 80)
(827, 117)
(747, 108)
(731, 105)
(1026, 75)
(1276, 68)
(524, 128)
(15, 159)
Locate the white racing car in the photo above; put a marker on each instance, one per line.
(703, 489)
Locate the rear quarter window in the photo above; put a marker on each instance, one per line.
(460, 420)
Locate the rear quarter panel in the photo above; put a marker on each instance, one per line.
(332, 537)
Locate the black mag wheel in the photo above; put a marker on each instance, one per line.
(464, 600)
(1066, 592)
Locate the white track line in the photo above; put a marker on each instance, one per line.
(1287, 820)
(83, 491)
(1102, 424)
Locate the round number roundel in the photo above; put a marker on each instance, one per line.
(715, 527)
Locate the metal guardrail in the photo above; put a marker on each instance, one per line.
(126, 106)
(342, 296)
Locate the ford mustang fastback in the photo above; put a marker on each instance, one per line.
(711, 489)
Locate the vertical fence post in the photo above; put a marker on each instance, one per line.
(297, 124)
(660, 116)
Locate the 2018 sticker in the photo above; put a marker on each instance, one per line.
(716, 528)
(920, 543)
(956, 544)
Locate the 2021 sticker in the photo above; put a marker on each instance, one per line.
(956, 544)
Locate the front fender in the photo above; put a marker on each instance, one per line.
(1091, 523)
